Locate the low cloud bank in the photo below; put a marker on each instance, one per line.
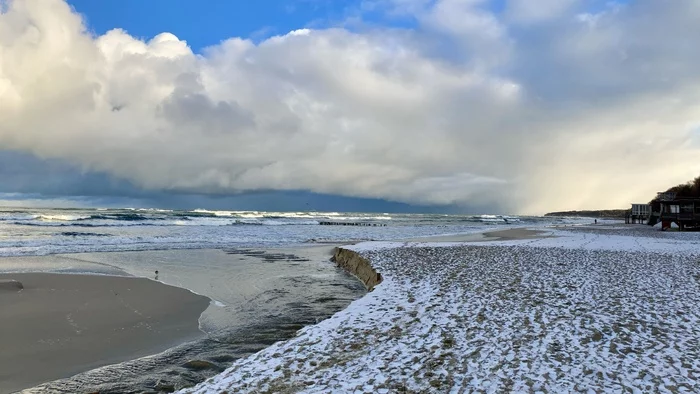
(531, 109)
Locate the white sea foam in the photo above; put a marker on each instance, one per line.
(63, 218)
(291, 215)
(17, 216)
(31, 233)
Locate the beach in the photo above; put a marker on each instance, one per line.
(76, 322)
(264, 283)
(57, 325)
(596, 309)
(494, 235)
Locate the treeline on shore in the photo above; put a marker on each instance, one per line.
(690, 189)
(603, 213)
(684, 190)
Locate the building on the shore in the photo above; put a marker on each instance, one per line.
(638, 214)
(665, 196)
(669, 208)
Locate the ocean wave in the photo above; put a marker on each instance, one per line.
(12, 216)
(63, 218)
(121, 216)
(204, 218)
(213, 213)
(80, 234)
(496, 219)
(163, 222)
(25, 233)
(361, 218)
(285, 215)
(75, 224)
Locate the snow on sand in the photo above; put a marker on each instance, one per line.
(615, 310)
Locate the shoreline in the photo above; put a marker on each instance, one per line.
(512, 234)
(212, 352)
(435, 324)
(508, 234)
(58, 325)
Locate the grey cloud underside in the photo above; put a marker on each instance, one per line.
(24, 174)
(526, 110)
(29, 181)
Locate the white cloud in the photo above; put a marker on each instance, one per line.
(459, 109)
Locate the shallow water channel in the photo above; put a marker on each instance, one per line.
(258, 297)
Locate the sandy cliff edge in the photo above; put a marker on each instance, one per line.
(358, 266)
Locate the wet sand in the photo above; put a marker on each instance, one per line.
(514, 234)
(499, 235)
(55, 326)
(259, 296)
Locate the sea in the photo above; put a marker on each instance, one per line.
(35, 232)
(268, 274)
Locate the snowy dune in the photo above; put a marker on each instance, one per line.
(587, 309)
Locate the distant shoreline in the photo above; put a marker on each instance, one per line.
(603, 213)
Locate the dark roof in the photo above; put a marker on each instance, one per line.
(681, 199)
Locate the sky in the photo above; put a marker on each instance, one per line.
(475, 106)
(207, 24)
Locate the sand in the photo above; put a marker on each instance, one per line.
(55, 326)
(515, 234)
(499, 235)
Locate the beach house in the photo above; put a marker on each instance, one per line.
(638, 214)
(683, 211)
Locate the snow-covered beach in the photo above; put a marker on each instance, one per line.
(589, 309)
(266, 273)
